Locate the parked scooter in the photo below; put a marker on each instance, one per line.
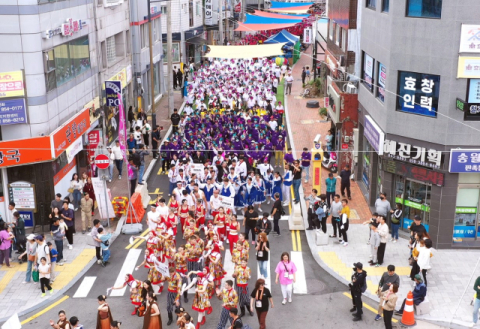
(329, 161)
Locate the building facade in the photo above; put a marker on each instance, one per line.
(410, 121)
(53, 71)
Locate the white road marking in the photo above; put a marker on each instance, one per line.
(285, 217)
(127, 268)
(85, 286)
(228, 266)
(300, 286)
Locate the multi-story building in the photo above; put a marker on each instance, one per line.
(56, 58)
(141, 52)
(418, 113)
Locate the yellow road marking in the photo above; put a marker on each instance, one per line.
(143, 234)
(6, 279)
(294, 245)
(136, 245)
(45, 310)
(159, 171)
(299, 242)
(368, 307)
(157, 191)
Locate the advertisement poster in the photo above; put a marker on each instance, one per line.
(474, 91)
(11, 84)
(238, 6)
(470, 39)
(368, 72)
(382, 78)
(465, 222)
(112, 117)
(13, 112)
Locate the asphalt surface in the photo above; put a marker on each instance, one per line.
(324, 305)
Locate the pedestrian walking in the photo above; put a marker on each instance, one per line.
(242, 274)
(303, 75)
(344, 223)
(345, 182)
(174, 75)
(175, 118)
(388, 279)
(76, 187)
(53, 260)
(88, 188)
(357, 287)
(423, 259)
(104, 315)
(374, 244)
(396, 219)
(263, 251)
(382, 205)
(75, 323)
(156, 138)
(104, 237)
(152, 318)
(289, 81)
(388, 300)
(68, 215)
(476, 303)
(144, 152)
(86, 205)
(118, 155)
(229, 299)
(44, 275)
(331, 184)
(371, 221)
(276, 212)
(311, 216)
(260, 299)
(383, 232)
(335, 209)
(297, 180)
(146, 129)
(250, 219)
(287, 182)
(30, 252)
(174, 294)
(286, 276)
(307, 73)
(133, 178)
(6, 241)
(306, 160)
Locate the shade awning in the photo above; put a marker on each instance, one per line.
(196, 40)
(261, 27)
(278, 4)
(252, 19)
(291, 10)
(282, 16)
(245, 51)
(283, 37)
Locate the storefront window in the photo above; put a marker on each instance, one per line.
(466, 212)
(366, 163)
(80, 55)
(156, 84)
(416, 202)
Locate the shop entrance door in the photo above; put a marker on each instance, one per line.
(466, 215)
(416, 202)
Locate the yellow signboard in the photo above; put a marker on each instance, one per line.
(468, 67)
(11, 84)
(120, 76)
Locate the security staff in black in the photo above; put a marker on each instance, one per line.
(175, 118)
(357, 287)
(155, 141)
(311, 199)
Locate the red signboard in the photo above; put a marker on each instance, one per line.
(25, 151)
(344, 146)
(64, 136)
(102, 161)
(94, 138)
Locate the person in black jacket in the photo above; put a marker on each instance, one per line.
(175, 118)
(356, 288)
(156, 138)
(179, 78)
(345, 181)
(174, 74)
(263, 225)
(198, 157)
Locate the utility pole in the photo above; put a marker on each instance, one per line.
(169, 58)
(220, 21)
(152, 76)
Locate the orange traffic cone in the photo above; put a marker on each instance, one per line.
(408, 317)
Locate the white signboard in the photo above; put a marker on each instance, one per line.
(102, 197)
(226, 202)
(74, 149)
(208, 12)
(470, 39)
(307, 36)
(162, 268)
(23, 194)
(196, 168)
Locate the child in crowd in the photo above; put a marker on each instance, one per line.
(371, 221)
(374, 244)
(53, 260)
(105, 237)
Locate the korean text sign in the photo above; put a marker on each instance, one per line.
(418, 155)
(11, 84)
(25, 151)
(463, 161)
(13, 111)
(113, 91)
(418, 93)
(64, 136)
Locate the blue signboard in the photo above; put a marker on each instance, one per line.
(462, 160)
(27, 217)
(418, 93)
(13, 112)
(113, 91)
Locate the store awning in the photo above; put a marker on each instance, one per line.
(252, 19)
(291, 10)
(245, 51)
(282, 16)
(278, 4)
(196, 41)
(261, 27)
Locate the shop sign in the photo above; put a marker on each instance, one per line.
(68, 133)
(129, 73)
(67, 29)
(464, 160)
(196, 32)
(13, 112)
(414, 154)
(374, 134)
(93, 109)
(465, 210)
(382, 78)
(27, 217)
(416, 205)
(94, 138)
(414, 172)
(120, 76)
(470, 39)
(208, 12)
(474, 91)
(25, 151)
(113, 91)
(111, 3)
(465, 222)
(74, 149)
(11, 84)
(460, 105)
(23, 194)
(418, 93)
(468, 67)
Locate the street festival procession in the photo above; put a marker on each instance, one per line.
(239, 164)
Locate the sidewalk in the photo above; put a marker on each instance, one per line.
(19, 298)
(453, 271)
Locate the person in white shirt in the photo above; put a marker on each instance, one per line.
(10, 212)
(138, 135)
(177, 192)
(215, 203)
(118, 154)
(383, 232)
(289, 81)
(162, 208)
(172, 179)
(263, 167)
(273, 123)
(241, 169)
(153, 218)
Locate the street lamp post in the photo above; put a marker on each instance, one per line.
(152, 76)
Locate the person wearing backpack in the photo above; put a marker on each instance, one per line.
(357, 287)
(105, 237)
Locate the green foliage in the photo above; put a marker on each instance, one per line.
(322, 111)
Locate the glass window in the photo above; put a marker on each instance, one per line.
(197, 8)
(338, 35)
(344, 39)
(466, 212)
(331, 29)
(424, 8)
(63, 65)
(366, 163)
(80, 54)
(381, 78)
(417, 202)
(142, 39)
(418, 93)
(386, 6)
(367, 71)
(111, 51)
(399, 187)
(156, 85)
(372, 4)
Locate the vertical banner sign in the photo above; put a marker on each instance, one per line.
(105, 207)
(307, 36)
(368, 72)
(382, 78)
(238, 6)
(122, 136)
(113, 90)
(208, 12)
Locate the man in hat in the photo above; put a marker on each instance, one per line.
(357, 287)
(419, 294)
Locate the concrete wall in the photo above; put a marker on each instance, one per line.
(180, 17)
(426, 46)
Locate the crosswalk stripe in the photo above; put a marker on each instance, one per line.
(127, 268)
(85, 286)
(300, 285)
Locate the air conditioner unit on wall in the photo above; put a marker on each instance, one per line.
(351, 89)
